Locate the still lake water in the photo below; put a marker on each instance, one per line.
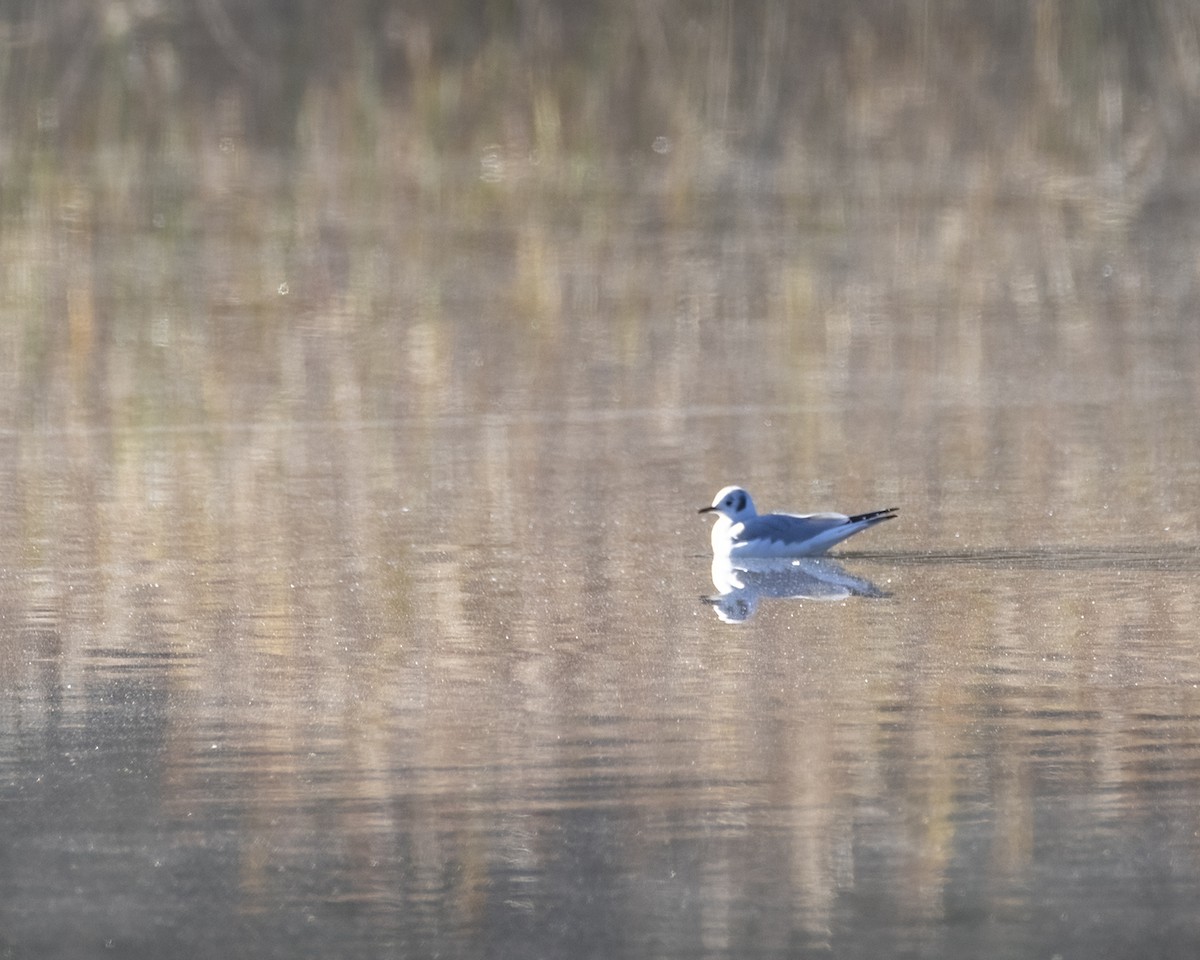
(351, 578)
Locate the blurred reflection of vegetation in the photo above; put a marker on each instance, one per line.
(1102, 87)
(145, 236)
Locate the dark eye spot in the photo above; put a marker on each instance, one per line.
(741, 502)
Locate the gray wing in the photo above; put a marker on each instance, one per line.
(804, 534)
(792, 527)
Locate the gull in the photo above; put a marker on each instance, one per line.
(740, 531)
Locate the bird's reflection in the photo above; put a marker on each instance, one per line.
(741, 583)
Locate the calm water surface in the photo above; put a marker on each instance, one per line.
(351, 584)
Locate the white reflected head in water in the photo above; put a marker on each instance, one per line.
(740, 531)
(741, 585)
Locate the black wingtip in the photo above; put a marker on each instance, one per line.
(887, 513)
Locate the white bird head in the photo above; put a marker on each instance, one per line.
(733, 503)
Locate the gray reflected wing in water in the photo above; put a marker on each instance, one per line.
(741, 584)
